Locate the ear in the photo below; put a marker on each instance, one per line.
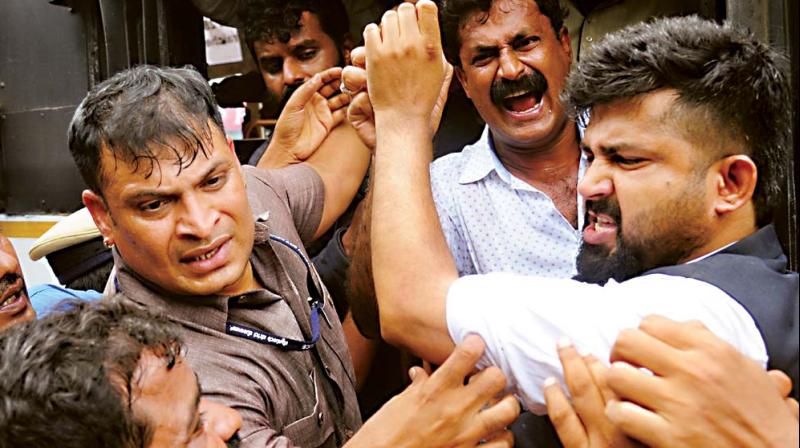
(566, 43)
(736, 181)
(462, 79)
(99, 211)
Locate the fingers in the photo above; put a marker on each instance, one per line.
(681, 335)
(781, 381)
(354, 79)
(390, 27)
(337, 117)
(568, 426)
(459, 364)
(599, 371)
(331, 88)
(339, 102)
(358, 57)
(429, 24)
(495, 418)
(638, 423)
(486, 384)
(372, 40)
(639, 348)
(630, 383)
(308, 89)
(586, 398)
(407, 19)
(503, 439)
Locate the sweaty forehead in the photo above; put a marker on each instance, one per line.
(504, 20)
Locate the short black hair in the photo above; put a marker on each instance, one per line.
(453, 13)
(277, 20)
(140, 107)
(65, 380)
(737, 86)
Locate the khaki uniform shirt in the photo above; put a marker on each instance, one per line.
(286, 398)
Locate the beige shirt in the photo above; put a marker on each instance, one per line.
(286, 398)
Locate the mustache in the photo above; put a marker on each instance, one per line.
(534, 82)
(605, 206)
(8, 280)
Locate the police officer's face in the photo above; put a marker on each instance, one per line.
(15, 306)
(190, 230)
(287, 64)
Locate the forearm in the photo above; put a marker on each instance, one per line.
(276, 158)
(360, 284)
(411, 262)
(341, 161)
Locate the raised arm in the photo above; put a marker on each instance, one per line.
(411, 262)
(311, 129)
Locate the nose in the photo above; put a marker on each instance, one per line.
(596, 183)
(198, 219)
(293, 72)
(220, 420)
(9, 263)
(510, 65)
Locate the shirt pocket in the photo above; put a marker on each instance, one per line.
(316, 428)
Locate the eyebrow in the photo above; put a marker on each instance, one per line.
(304, 43)
(160, 194)
(488, 48)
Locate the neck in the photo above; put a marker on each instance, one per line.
(734, 227)
(247, 282)
(543, 164)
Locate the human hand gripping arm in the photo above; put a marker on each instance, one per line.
(702, 391)
(411, 262)
(310, 114)
(440, 411)
(360, 113)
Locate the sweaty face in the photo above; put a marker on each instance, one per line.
(168, 397)
(286, 65)
(648, 191)
(15, 306)
(513, 67)
(189, 230)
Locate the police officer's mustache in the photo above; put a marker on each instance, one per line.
(533, 83)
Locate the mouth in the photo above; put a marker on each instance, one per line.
(600, 229)
(523, 102)
(208, 258)
(14, 299)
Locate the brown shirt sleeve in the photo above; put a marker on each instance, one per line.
(299, 187)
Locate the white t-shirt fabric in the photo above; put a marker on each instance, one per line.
(521, 318)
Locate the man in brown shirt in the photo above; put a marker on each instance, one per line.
(167, 191)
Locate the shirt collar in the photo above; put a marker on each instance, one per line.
(481, 159)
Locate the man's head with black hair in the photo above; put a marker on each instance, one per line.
(688, 136)
(512, 58)
(102, 374)
(165, 187)
(292, 40)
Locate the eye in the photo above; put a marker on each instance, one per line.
(271, 65)
(481, 59)
(307, 54)
(214, 182)
(153, 206)
(527, 43)
(627, 162)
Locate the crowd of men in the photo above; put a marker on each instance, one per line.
(603, 254)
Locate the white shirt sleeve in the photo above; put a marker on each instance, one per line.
(522, 317)
(442, 182)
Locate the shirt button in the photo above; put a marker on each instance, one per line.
(320, 418)
(589, 38)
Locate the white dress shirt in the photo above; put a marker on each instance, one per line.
(494, 221)
(521, 318)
